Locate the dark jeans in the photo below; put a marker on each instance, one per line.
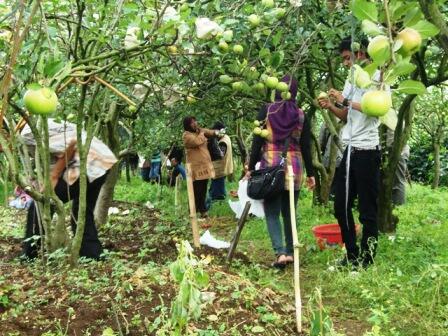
(399, 186)
(175, 172)
(272, 209)
(364, 180)
(90, 246)
(145, 173)
(154, 173)
(200, 193)
(218, 189)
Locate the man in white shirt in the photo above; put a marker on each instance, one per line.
(360, 134)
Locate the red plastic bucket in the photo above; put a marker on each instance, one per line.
(329, 234)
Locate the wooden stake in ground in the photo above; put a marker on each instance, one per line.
(236, 237)
(191, 203)
(295, 241)
(176, 194)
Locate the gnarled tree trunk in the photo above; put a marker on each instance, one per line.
(436, 152)
(386, 221)
(106, 195)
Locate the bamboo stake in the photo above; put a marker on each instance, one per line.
(238, 231)
(194, 220)
(114, 90)
(176, 194)
(295, 240)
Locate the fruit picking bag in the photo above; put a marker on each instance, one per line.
(268, 181)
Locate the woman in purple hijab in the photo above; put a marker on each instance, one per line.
(287, 126)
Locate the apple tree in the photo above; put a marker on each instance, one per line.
(431, 119)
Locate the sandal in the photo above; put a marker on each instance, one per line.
(280, 262)
(289, 259)
(206, 226)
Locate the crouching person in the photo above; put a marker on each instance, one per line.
(64, 176)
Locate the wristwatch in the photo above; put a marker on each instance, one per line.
(345, 102)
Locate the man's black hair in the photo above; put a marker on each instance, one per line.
(346, 44)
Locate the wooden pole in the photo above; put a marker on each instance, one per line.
(236, 237)
(295, 241)
(176, 194)
(193, 219)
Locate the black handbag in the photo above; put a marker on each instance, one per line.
(265, 183)
(214, 150)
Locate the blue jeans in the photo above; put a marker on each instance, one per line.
(179, 169)
(272, 209)
(218, 189)
(154, 173)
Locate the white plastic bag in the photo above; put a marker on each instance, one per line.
(209, 240)
(237, 207)
(206, 28)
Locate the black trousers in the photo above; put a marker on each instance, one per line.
(90, 246)
(200, 194)
(364, 180)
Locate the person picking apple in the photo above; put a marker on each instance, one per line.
(64, 178)
(288, 132)
(360, 134)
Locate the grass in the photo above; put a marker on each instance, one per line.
(404, 293)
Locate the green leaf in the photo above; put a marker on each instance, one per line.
(257, 329)
(364, 9)
(264, 53)
(277, 38)
(400, 9)
(108, 332)
(403, 68)
(371, 68)
(413, 16)
(277, 58)
(425, 28)
(412, 87)
(53, 66)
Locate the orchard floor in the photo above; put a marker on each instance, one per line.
(130, 293)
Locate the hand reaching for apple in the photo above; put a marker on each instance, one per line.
(336, 95)
(324, 102)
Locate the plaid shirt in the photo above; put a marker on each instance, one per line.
(99, 159)
(272, 154)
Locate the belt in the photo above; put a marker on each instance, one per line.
(359, 149)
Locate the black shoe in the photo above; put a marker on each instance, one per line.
(366, 263)
(24, 259)
(347, 263)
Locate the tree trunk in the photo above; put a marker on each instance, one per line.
(436, 152)
(240, 142)
(106, 195)
(432, 13)
(128, 173)
(387, 222)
